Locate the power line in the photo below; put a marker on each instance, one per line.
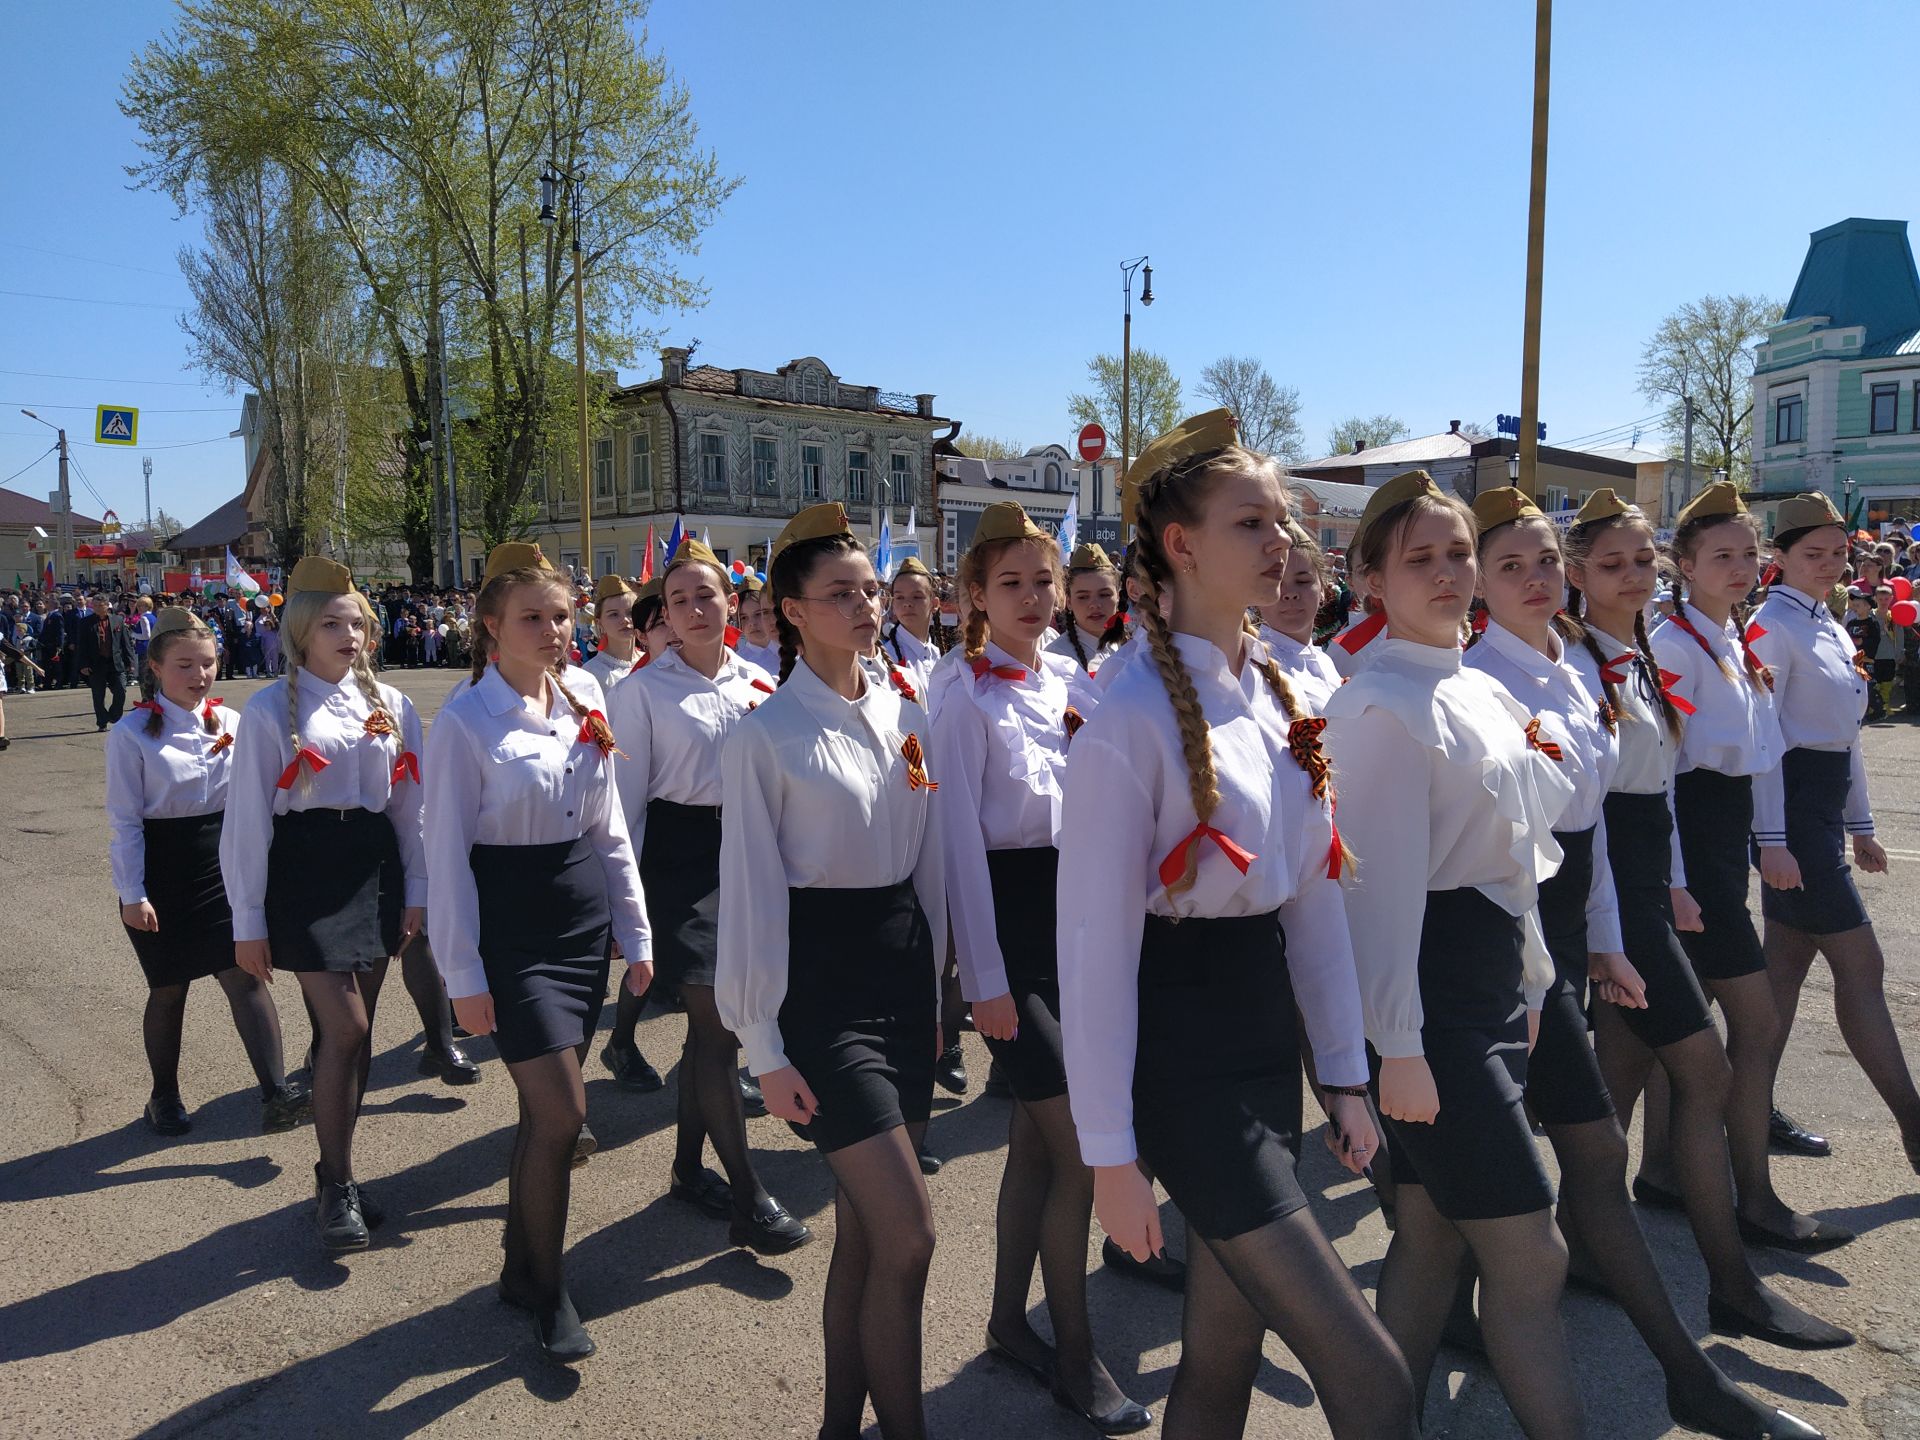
(145, 410)
(92, 300)
(104, 379)
(30, 464)
(91, 260)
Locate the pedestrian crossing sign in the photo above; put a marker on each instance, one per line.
(116, 425)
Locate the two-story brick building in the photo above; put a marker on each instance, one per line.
(1836, 384)
(738, 452)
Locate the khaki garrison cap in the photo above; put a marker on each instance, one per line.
(816, 522)
(317, 573)
(1197, 435)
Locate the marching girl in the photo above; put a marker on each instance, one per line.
(168, 763)
(613, 632)
(1817, 794)
(1530, 648)
(909, 641)
(672, 719)
(1732, 735)
(1000, 737)
(1095, 628)
(1286, 626)
(533, 880)
(322, 854)
(1449, 799)
(831, 900)
(1199, 791)
(753, 614)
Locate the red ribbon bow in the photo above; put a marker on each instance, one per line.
(1360, 636)
(1303, 739)
(1545, 747)
(900, 682)
(1754, 663)
(732, 637)
(1175, 865)
(206, 710)
(1611, 672)
(314, 760)
(1333, 855)
(916, 765)
(983, 667)
(762, 685)
(1668, 679)
(594, 730)
(406, 767)
(153, 705)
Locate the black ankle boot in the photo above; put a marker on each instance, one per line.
(562, 1337)
(337, 1214)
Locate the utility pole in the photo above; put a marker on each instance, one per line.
(1686, 470)
(146, 470)
(453, 487)
(65, 527)
(1536, 256)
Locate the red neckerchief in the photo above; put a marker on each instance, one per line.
(983, 667)
(1358, 637)
(1175, 865)
(406, 767)
(1611, 673)
(1668, 679)
(312, 758)
(762, 685)
(1754, 632)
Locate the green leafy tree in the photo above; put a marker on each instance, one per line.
(1705, 349)
(1154, 398)
(1365, 431)
(1268, 413)
(990, 447)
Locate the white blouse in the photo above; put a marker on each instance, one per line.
(1000, 750)
(671, 720)
(817, 795)
(1127, 810)
(1309, 667)
(1122, 656)
(501, 770)
(1349, 649)
(767, 657)
(340, 767)
(182, 771)
(914, 658)
(1819, 698)
(609, 669)
(1415, 731)
(1097, 653)
(1733, 728)
(1648, 753)
(1553, 691)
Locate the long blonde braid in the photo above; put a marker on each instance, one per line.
(1196, 745)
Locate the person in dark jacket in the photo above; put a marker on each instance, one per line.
(103, 649)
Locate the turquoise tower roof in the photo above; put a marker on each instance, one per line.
(1861, 272)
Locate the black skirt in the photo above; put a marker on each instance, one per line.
(335, 890)
(680, 872)
(1477, 1160)
(1216, 1075)
(1639, 845)
(1025, 886)
(1817, 783)
(546, 940)
(1715, 816)
(1564, 1084)
(859, 1016)
(195, 938)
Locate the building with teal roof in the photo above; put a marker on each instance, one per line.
(1836, 384)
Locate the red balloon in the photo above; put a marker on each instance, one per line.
(1902, 587)
(1905, 612)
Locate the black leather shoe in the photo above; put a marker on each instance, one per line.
(337, 1214)
(451, 1065)
(752, 1103)
(1746, 1419)
(1043, 1374)
(285, 1108)
(167, 1116)
(1656, 1197)
(930, 1163)
(1788, 1134)
(1822, 1237)
(771, 1232)
(1806, 1333)
(1124, 1419)
(951, 1071)
(709, 1194)
(1162, 1270)
(630, 1068)
(583, 1146)
(563, 1338)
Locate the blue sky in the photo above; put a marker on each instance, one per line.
(937, 198)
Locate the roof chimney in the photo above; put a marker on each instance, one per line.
(1453, 427)
(1358, 446)
(673, 364)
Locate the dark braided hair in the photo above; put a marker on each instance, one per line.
(1577, 547)
(788, 576)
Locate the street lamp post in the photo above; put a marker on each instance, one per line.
(1127, 267)
(549, 187)
(1846, 487)
(63, 524)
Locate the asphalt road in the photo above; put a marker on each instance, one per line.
(174, 1287)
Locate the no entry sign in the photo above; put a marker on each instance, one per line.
(1092, 443)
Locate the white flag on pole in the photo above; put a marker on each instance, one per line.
(238, 580)
(1070, 526)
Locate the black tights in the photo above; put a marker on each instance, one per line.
(1523, 1267)
(428, 993)
(553, 1107)
(254, 1017)
(877, 1286)
(709, 1101)
(1045, 1211)
(626, 1017)
(1286, 1278)
(341, 1007)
